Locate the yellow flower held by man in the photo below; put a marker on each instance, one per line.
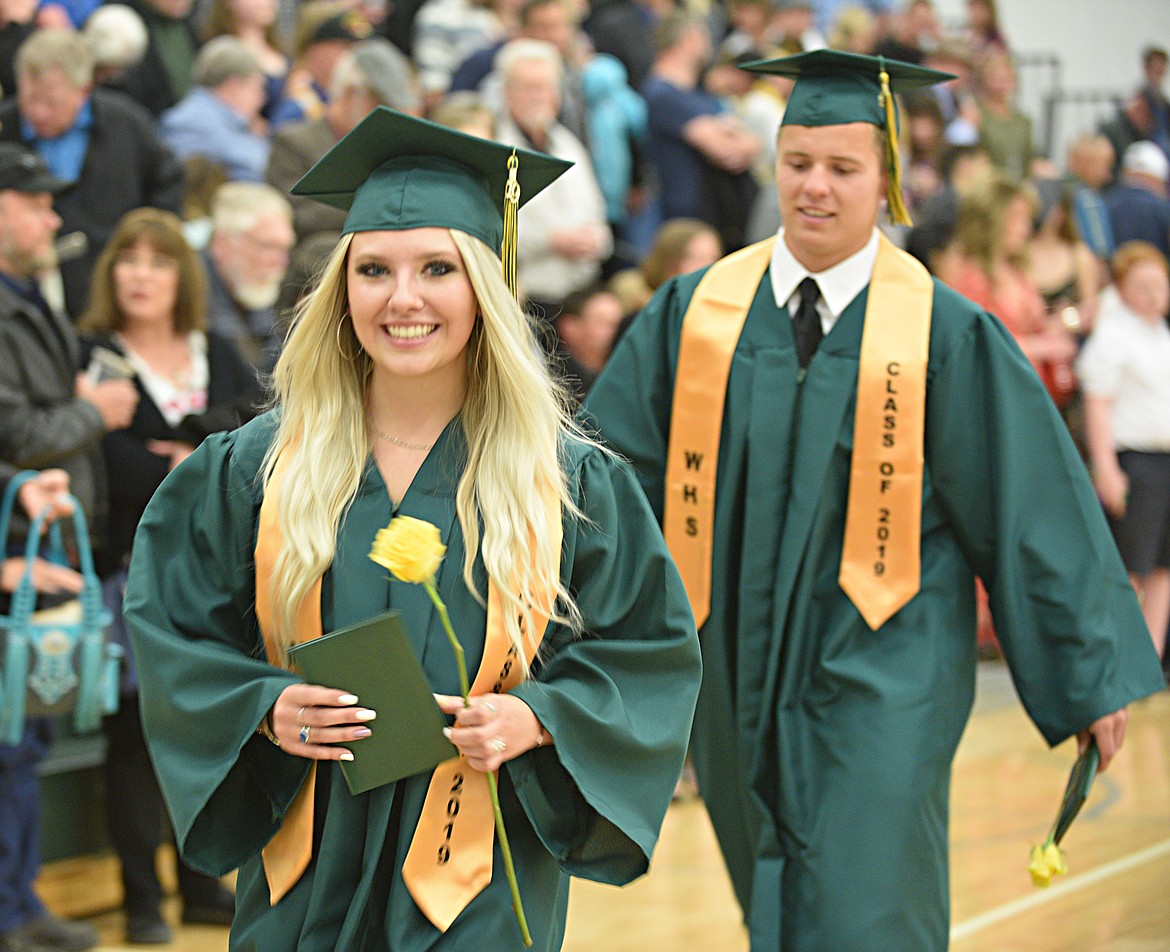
(1047, 861)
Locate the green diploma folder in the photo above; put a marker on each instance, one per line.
(375, 661)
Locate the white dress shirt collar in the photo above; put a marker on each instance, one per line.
(839, 285)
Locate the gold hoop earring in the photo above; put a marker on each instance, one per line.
(477, 351)
(341, 350)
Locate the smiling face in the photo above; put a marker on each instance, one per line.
(831, 185)
(146, 284)
(412, 303)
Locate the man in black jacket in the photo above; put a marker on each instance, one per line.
(100, 140)
(47, 418)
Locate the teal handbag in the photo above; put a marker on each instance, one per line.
(54, 661)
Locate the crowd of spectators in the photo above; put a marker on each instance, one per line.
(208, 112)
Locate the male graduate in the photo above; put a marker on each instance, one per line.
(836, 445)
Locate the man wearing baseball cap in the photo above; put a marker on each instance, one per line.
(325, 32)
(46, 420)
(1138, 206)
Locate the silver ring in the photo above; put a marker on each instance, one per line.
(498, 745)
(305, 728)
(490, 706)
(300, 714)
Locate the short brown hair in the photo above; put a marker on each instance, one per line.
(163, 232)
(1133, 253)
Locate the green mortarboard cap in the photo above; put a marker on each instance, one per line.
(834, 87)
(394, 172)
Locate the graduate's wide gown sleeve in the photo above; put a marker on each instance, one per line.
(1020, 504)
(588, 798)
(205, 683)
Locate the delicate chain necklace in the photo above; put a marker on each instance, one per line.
(397, 442)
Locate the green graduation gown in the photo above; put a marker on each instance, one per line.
(823, 749)
(618, 698)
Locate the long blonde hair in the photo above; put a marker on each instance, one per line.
(514, 419)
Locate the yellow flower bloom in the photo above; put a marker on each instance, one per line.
(1047, 861)
(410, 548)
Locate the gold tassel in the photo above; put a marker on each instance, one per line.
(511, 206)
(895, 206)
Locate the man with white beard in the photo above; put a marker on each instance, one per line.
(246, 261)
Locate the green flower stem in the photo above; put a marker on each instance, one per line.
(501, 833)
(509, 866)
(464, 686)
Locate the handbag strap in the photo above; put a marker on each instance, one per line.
(9, 501)
(25, 597)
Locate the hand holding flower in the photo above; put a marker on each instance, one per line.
(495, 729)
(1108, 733)
(1047, 860)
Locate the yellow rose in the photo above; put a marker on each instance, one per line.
(410, 548)
(1047, 861)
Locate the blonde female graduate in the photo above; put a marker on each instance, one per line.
(411, 384)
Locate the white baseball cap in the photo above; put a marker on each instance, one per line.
(1147, 159)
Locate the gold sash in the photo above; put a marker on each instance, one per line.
(450, 857)
(883, 520)
(710, 331)
(288, 853)
(882, 551)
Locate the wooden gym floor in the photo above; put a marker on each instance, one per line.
(1007, 785)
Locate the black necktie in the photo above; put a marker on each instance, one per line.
(807, 324)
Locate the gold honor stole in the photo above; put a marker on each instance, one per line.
(450, 857)
(710, 331)
(880, 560)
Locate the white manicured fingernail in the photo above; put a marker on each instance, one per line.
(366, 715)
(346, 755)
(447, 732)
(347, 699)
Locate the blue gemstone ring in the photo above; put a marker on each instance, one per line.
(305, 733)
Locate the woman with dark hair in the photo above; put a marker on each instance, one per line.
(146, 318)
(983, 31)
